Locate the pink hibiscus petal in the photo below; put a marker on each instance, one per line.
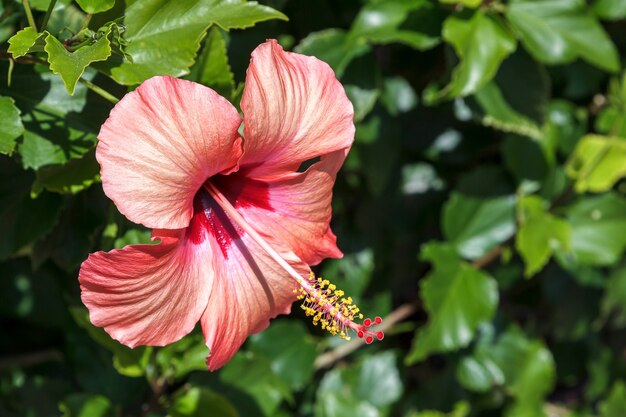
(294, 110)
(249, 286)
(293, 209)
(158, 146)
(147, 294)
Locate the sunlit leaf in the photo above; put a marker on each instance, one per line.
(540, 234)
(11, 126)
(457, 297)
(164, 35)
(598, 229)
(381, 23)
(291, 351)
(71, 65)
(477, 225)
(25, 41)
(86, 405)
(597, 163)
(481, 44)
(212, 68)
(558, 31)
(95, 6)
(615, 404)
(197, 401)
(332, 46)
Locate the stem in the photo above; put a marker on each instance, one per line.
(100, 91)
(47, 16)
(85, 23)
(29, 14)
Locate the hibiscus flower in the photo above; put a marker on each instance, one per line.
(238, 222)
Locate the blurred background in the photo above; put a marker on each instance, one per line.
(481, 209)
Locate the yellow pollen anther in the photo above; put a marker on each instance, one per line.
(332, 311)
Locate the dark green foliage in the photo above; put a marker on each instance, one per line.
(481, 210)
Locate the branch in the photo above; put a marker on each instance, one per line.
(488, 257)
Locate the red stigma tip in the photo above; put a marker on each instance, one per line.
(378, 320)
(360, 334)
(367, 322)
(369, 339)
(380, 335)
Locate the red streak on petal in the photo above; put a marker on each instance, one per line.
(210, 220)
(243, 192)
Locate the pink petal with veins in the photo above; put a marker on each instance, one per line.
(147, 294)
(249, 287)
(294, 110)
(292, 209)
(160, 143)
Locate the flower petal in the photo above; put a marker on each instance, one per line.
(147, 294)
(158, 146)
(249, 286)
(294, 110)
(294, 209)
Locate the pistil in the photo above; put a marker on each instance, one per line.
(321, 299)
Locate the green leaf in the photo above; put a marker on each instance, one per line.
(559, 31)
(71, 65)
(597, 163)
(461, 409)
(615, 404)
(252, 373)
(398, 96)
(500, 115)
(379, 380)
(164, 35)
(524, 366)
(352, 273)
(614, 299)
(477, 225)
(95, 6)
(598, 229)
(363, 100)
(11, 126)
(25, 41)
(290, 349)
(481, 44)
(65, 17)
(457, 298)
(176, 360)
(69, 178)
(58, 127)
(133, 237)
(420, 178)
(566, 124)
(86, 405)
(365, 389)
(25, 220)
(197, 401)
(540, 234)
(610, 9)
(334, 47)
(381, 23)
(212, 68)
(469, 3)
(127, 361)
